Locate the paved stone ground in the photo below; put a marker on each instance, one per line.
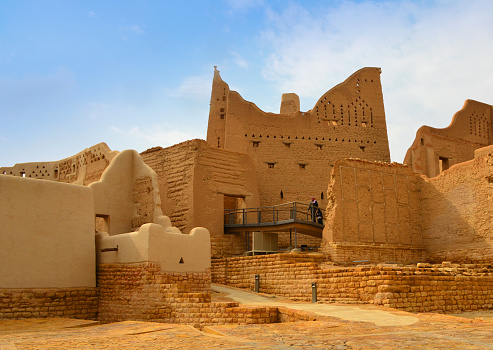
(338, 330)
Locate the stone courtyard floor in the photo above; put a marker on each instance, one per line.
(337, 327)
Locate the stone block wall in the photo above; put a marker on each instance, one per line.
(81, 303)
(416, 288)
(142, 292)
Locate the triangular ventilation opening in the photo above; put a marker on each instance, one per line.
(181, 261)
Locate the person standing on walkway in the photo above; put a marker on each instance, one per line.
(313, 208)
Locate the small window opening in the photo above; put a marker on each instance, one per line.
(282, 195)
(443, 163)
(218, 142)
(255, 143)
(102, 223)
(56, 174)
(363, 124)
(322, 195)
(287, 144)
(319, 146)
(271, 165)
(422, 142)
(181, 261)
(362, 148)
(302, 166)
(23, 174)
(222, 116)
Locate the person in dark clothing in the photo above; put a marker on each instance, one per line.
(319, 216)
(313, 208)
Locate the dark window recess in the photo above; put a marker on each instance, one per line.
(255, 143)
(271, 165)
(282, 195)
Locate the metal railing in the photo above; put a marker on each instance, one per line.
(274, 215)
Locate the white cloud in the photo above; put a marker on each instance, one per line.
(193, 87)
(161, 135)
(433, 56)
(239, 60)
(135, 28)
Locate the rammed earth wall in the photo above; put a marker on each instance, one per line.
(427, 288)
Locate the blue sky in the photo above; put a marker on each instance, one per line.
(138, 74)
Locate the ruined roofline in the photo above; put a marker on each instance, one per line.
(455, 117)
(348, 79)
(436, 131)
(217, 78)
(100, 144)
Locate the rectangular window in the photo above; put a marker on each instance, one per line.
(443, 163)
(102, 223)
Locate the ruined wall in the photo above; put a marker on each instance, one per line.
(127, 195)
(293, 153)
(197, 183)
(46, 235)
(374, 213)
(422, 288)
(142, 292)
(435, 150)
(83, 168)
(457, 208)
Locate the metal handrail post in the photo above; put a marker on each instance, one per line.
(274, 214)
(259, 216)
(294, 209)
(243, 216)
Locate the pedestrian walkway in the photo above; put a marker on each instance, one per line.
(379, 316)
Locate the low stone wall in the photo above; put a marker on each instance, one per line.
(348, 252)
(81, 303)
(417, 288)
(142, 292)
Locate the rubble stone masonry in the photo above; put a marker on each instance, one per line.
(417, 288)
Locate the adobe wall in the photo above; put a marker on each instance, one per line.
(142, 292)
(83, 168)
(172, 250)
(47, 234)
(127, 195)
(421, 288)
(435, 150)
(294, 153)
(457, 210)
(373, 213)
(194, 180)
